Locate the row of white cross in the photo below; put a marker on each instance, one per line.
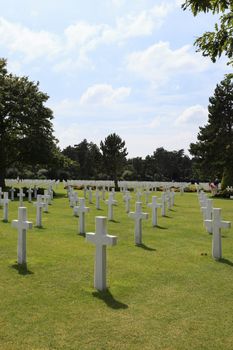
(100, 238)
(213, 223)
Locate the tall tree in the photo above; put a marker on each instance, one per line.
(88, 156)
(214, 150)
(114, 156)
(26, 132)
(220, 40)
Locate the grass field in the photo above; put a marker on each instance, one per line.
(167, 294)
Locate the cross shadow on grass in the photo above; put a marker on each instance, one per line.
(109, 299)
(22, 269)
(145, 247)
(226, 261)
(161, 227)
(167, 217)
(114, 221)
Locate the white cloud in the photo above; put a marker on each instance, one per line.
(158, 63)
(193, 115)
(104, 94)
(30, 44)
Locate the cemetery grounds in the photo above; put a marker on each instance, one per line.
(167, 293)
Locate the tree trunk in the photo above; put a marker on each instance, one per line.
(2, 178)
(116, 184)
(227, 179)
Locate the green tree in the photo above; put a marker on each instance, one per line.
(114, 156)
(26, 131)
(88, 156)
(220, 40)
(213, 152)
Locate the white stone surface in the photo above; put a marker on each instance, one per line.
(163, 204)
(97, 199)
(39, 204)
(81, 211)
(110, 202)
(154, 206)
(207, 213)
(138, 216)
(215, 225)
(20, 195)
(89, 195)
(22, 225)
(101, 239)
(29, 191)
(127, 199)
(12, 192)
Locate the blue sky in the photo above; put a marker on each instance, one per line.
(120, 66)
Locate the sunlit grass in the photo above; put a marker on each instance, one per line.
(167, 294)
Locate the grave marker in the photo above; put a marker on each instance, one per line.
(215, 225)
(101, 239)
(22, 225)
(138, 216)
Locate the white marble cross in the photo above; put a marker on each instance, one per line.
(73, 199)
(103, 193)
(110, 202)
(29, 191)
(20, 195)
(101, 239)
(12, 190)
(172, 194)
(39, 205)
(154, 206)
(163, 204)
(113, 193)
(97, 199)
(215, 225)
(89, 195)
(46, 198)
(147, 194)
(138, 196)
(81, 211)
(22, 225)
(5, 203)
(127, 199)
(138, 216)
(207, 212)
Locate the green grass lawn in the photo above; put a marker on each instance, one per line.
(163, 295)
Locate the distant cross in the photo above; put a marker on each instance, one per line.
(97, 199)
(110, 202)
(39, 204)
(103, 193)
(113, 193)
(20, 195)
(89, 195)
(22, 225)
(138, 196)
(29, 191)
(81, 211)
(154, 206)
(172, 197)
(127, 199)
(85, 192)
(163, 204)
(168, 198)
(147, 194)
(12, 190)
(46, 198)
(207, 213)
(5, 203)
(138, 216)
(215, 225)
(101, 239)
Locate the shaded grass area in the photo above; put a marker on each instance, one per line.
(167, 293)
